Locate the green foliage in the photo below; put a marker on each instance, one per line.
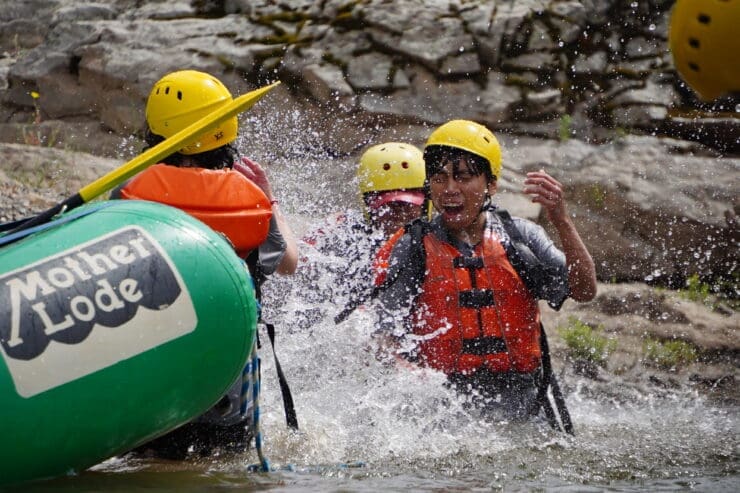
(597, 196)
(728, 290)
(696, 290)
(587, 343)
(722, 294)
(668, 355)
(565, 127)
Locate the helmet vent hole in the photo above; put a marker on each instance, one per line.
(693, 66)
(167, 90)
(704, 18)
(179, 95)
(405, 165)
(386, 166)
(694, 43)
(487, 140)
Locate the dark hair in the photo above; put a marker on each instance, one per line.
(219, 158)
(436, 156)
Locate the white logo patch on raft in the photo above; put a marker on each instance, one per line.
(89, 307)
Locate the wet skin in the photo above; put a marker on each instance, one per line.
(458, 195)
(392, 216)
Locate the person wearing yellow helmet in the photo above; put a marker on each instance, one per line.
(208, 178)
(467, 282)
(391, 183)
(230, 193)
(706, 47)
(338, 255)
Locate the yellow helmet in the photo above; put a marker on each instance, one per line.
(391, 166)
(181, 98)
(469, 136)
(706, 46)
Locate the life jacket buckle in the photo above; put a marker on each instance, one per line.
(481, 346)
(476, 298)
(468, 262)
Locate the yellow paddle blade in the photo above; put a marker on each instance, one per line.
(182, 138)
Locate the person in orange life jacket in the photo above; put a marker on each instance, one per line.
(461, 307)
(209, 180)
(338, 255)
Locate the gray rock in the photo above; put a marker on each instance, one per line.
(326, 83)
(533, 61)
(370, 71)
(639, 115)
(432, 43)
(651, 93)
(591, 64)
(464, 64)
(540, 39)
(87, 12)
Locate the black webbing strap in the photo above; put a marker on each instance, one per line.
(19, 230)
(259, 277)
(468, 262)
(481, 346)
(557, 395)
(290, 415)
(543, 400)
(475, 298)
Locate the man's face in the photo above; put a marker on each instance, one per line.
(392, 216)
(457, 193)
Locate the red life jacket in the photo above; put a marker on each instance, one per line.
(225, 200)
(383, 256)
(474, 312)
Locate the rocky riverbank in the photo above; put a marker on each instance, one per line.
(586, 89)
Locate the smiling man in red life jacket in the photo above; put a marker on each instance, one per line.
(453, 299)
(231, 194)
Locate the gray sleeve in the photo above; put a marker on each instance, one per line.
(404, 281)
(551, 257)
(115, 194)
(271, 251)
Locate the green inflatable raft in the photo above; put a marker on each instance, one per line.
(118, 323)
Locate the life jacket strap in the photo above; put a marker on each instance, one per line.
(481, 346)
(475, 298)
(468, 262)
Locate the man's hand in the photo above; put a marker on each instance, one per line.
(547, 191)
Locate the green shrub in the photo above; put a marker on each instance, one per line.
(696, 290)
(587, 343)
(669, 355)
(564, 129)
(597, 195)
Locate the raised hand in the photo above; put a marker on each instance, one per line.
(255, 172)
(547, 191)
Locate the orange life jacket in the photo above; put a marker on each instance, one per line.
(474, 312)
(225, 200)
(383, 256)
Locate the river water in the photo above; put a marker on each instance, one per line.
(368, 426)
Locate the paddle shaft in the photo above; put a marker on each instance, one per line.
(151, 156)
